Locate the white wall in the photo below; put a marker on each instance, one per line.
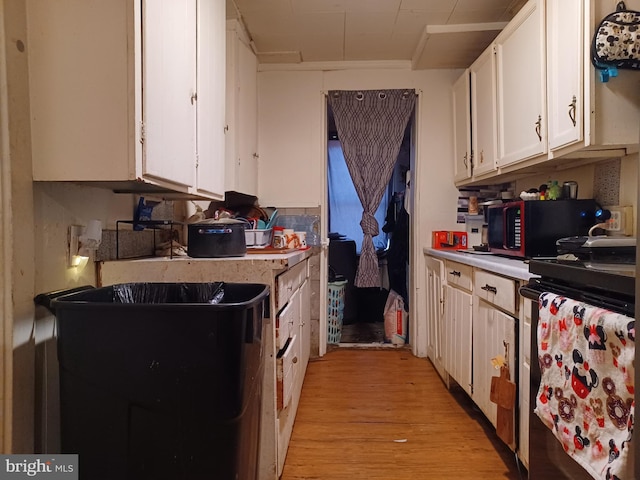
(291, 125)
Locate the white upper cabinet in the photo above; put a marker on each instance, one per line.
(169, 90)
(211, 102)
(520, 61)
(585, 113)
(241, 142)
(483, 113)
(462, 127)
(565, 39)
(114, 91)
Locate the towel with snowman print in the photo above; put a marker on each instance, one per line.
(586, 357)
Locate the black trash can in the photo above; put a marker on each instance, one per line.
(162, 381)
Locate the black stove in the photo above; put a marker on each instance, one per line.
(605, 285)
(606, 278)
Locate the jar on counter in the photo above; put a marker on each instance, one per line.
(278, 238)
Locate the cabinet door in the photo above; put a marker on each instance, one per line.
(483, 113)
(462, 128)
(435, 313)
(305, 325)
(169, 90)
(211, 97)
(565, 47)
(520, 57)
(524, 385)
(458, 319)
(242, 114)
(491, 329)
(248, 122)
(82, 89)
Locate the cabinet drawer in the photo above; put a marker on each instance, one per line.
(459, 274)
(287, 372)
(499, 291)
(286, 320)
(288, 282)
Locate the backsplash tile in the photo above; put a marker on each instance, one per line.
(606, 182)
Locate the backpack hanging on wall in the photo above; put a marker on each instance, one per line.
(616, 42)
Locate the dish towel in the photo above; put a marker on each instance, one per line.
(586, 357)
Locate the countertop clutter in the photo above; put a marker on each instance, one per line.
(509, 267)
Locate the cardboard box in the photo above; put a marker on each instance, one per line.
(449, 240)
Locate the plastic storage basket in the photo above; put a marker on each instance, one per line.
(258, 238)
(335, 310)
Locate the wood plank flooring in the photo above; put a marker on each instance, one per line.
(384, 414)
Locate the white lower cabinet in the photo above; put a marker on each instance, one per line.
(434, 278)
(524, 377)
(293, 301)
(494, 335)
(473, 317)
(458, 317)
(492, 328)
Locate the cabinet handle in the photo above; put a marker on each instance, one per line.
(294, 359)
(572, 110)
(454, 273)
(539, 127)
(194, 97)
(489, 288)
(464, 159)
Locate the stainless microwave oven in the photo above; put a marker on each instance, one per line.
(530, 229)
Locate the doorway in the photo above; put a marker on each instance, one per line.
(363, 314)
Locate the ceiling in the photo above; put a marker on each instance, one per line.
(429, 33)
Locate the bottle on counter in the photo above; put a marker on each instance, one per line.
(543, 192)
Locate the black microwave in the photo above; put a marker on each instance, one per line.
(531, 228)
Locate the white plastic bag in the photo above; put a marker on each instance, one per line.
(395, 320)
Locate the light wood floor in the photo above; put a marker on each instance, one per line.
(385, 414)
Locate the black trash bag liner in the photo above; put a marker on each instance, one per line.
(147, 293)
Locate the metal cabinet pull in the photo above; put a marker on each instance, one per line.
(572, 110)
(489, 288)
(539, 127)
(454, 273)
(464, 159)
(194, 97)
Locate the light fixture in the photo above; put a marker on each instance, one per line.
(82, 241)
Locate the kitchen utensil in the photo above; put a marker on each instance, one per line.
(217, 238)
(503, 394)
(570, 190)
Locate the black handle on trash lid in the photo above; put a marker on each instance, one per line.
(45, 299)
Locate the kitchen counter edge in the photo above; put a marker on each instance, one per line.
(509, 267)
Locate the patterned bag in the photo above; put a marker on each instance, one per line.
(616, 41)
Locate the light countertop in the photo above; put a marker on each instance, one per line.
(252, 267)
(509, 267)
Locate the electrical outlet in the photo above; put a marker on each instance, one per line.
(621, 221)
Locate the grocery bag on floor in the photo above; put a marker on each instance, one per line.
(395, 319)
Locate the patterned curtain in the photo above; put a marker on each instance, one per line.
(371, 126)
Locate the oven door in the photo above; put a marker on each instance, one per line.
(547, 458)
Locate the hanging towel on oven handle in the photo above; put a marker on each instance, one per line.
(616, 42)
(586, 394)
